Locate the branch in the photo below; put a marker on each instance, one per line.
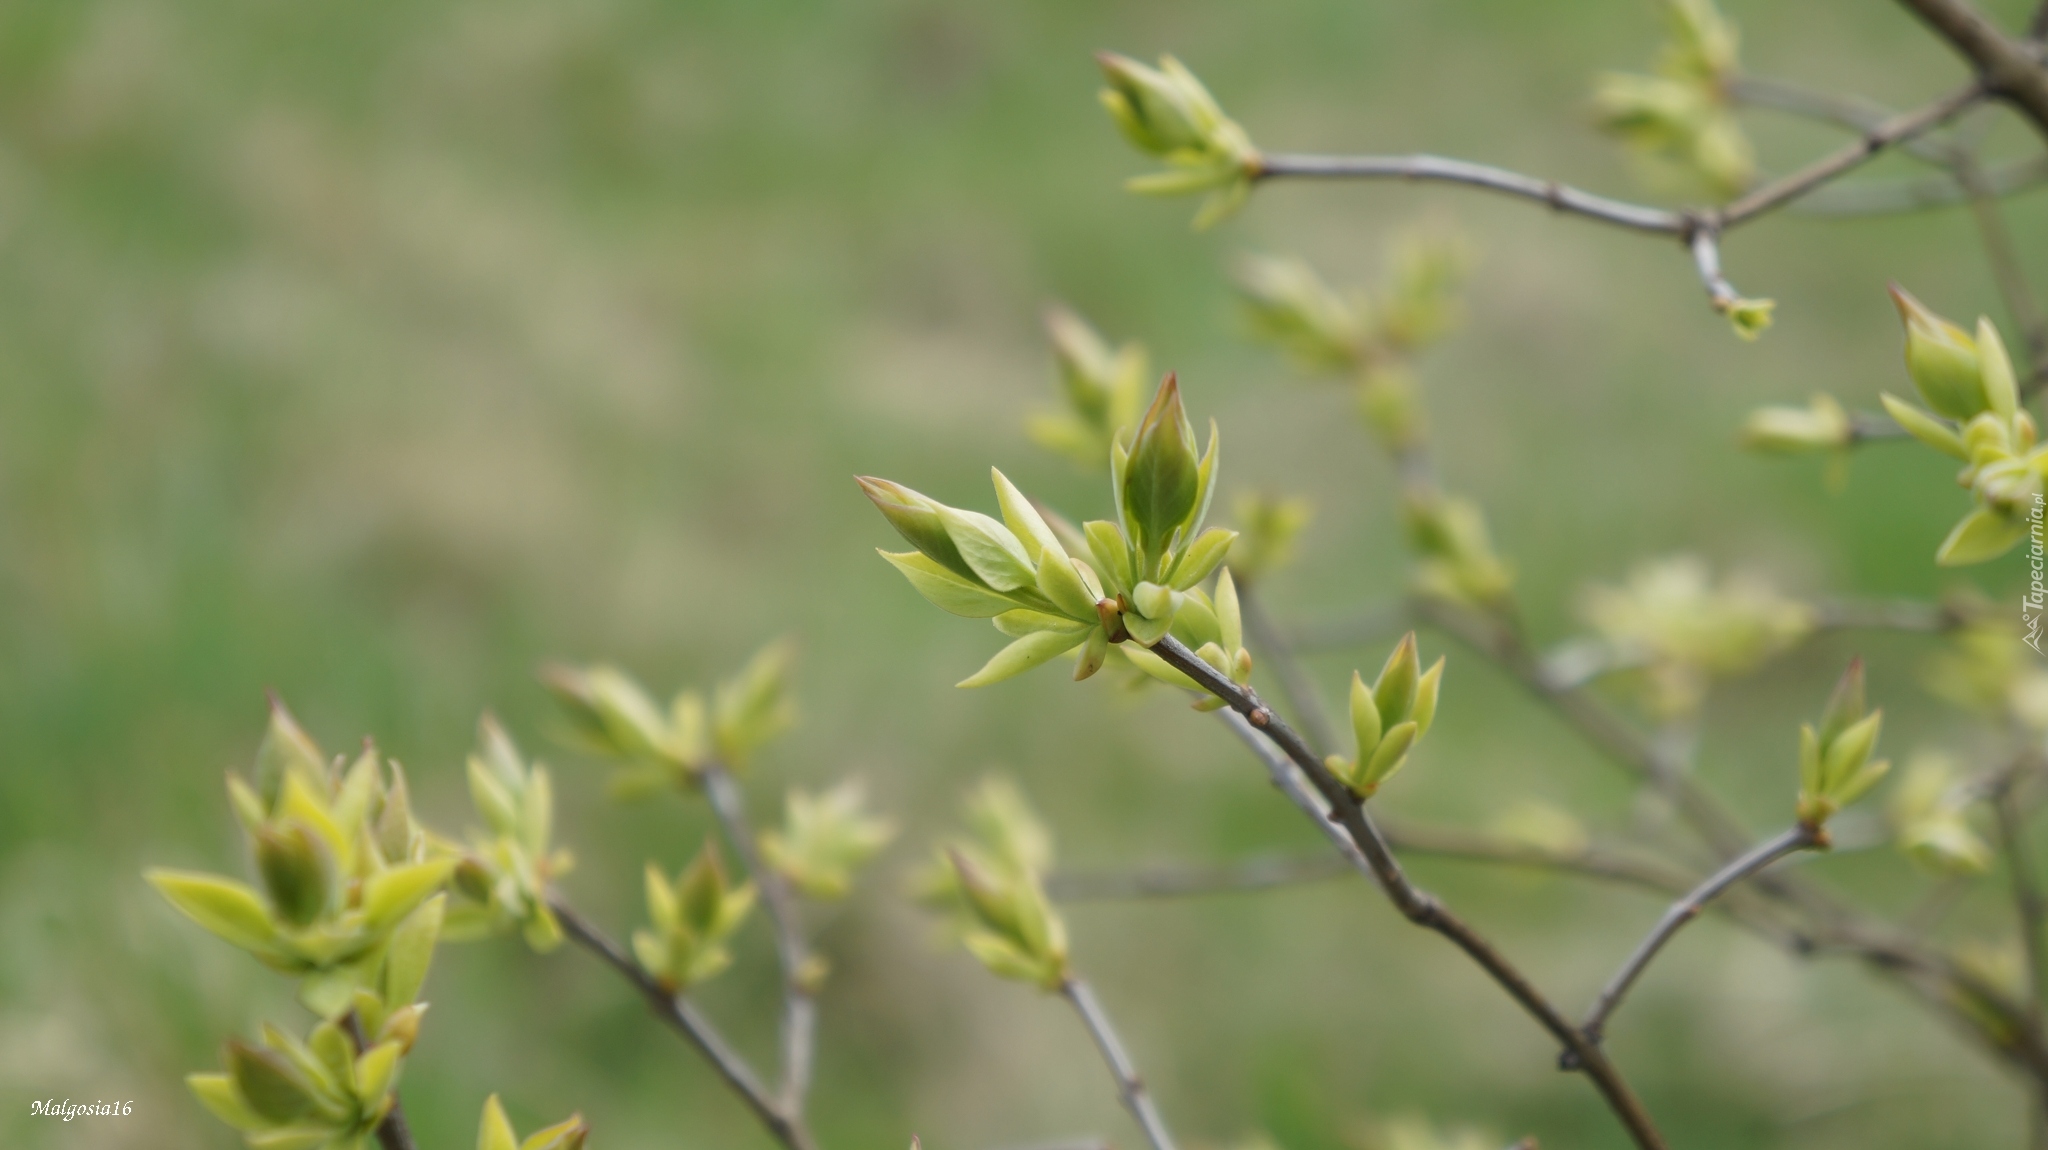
(1129, 1086)
(677, 1011)
(394, 1133)
(1915, 193)
(1416, 905)
(1265, 872)
(799, 1003)
(2026, 894)
(2009, 70)
(1896, 130)
(1800, 837)
(1556, 196)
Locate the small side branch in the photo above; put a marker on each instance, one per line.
(683, 1017)
(1416, 905)
(1439, 169)
(1898, 129)
(1129, 1085)
(1800, 837)
(394, 1133)
(799, 1003)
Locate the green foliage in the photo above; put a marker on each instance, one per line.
(1972, 382)
(1821, 425)
(1019, 572)
(1167, 113)
(1389, 718)
(692, 917)
(1835, 767)
(511, 861)
(824, 838)
(1930, 816)
(992, 885)
(321, 1093)
(1681, 120)
(341, 864)
(494, 1132)
(1102, 387)
(1269, 528)
(1683, 629)
(611, 715)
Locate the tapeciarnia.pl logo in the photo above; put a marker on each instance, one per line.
(2037, 594)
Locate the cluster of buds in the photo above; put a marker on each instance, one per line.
(1682, 629)
(1971, 382)
(1366, 339)
(1986, 669)
(1681, 120)
(1141, 571)
(1167, 113)
(1102, 385)
(1268, 528)
(1822, 425)
(286, 1094)
(993, 882)
(613, 716)
(1930, 817)
(1454, 555)
(511, 861)
(341, 861)
(1389, 718)
(1835, 767)
(495, 1132)
(692, 917)
(824, 838)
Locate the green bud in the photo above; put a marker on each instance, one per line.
(1820, 426)
(1161, 478)
(753, 707)
(287, 750)
(271, 1086)
(1943, 360)
(1365, 718)
(1094, 652)
(1983, 535)
(1023, 519)
(1749, 317)
(297, 872)
(2001, 387)
(1846, 705)
(917, 519)
(1388, 758)
(1156, 114)
(1426, 691)
(1924, 427)
(1394, 692)
(1270, 527)
(227, 908)
(1030, 651)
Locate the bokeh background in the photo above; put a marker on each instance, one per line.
(378, 351)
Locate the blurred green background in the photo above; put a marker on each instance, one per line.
(378, 351)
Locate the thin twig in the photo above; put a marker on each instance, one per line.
(1919, 193)
(1896, 130)
(2028, 906)
(1559, 197)
(785, 915)
(681, 1015)
(2009, 69)
(1129, 1086)
(1416, 905)
(1799, 838)
(394, 1133)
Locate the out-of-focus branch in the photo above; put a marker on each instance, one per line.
(1270, 646)
(1919, 193)
(394, 1133)
(1130, 1087)
(1800, 837)
(2009, 69)
(1899, 129)
(799, 1004)
(679, 1013)
(1416, 905)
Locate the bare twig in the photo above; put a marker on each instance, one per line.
(2009, 69)
(1416, 905)
(1129, 1086)
(681, 1015)
(1799, 838)
(394, 1133)
(799, 1003)
(1898, 129)
(1181, 880)
(1558, 197)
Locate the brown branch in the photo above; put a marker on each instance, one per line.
(2009, 69)
(799, 1002)
(1416, 905)
(681, 1015)
(1800, 837)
